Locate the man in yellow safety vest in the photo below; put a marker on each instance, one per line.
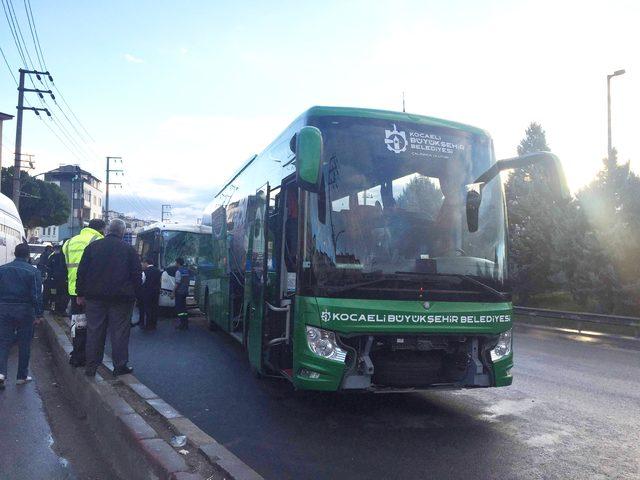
(73, 250)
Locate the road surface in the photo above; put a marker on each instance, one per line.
(41, 434)
(573, 412)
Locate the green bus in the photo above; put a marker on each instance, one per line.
(366, 250)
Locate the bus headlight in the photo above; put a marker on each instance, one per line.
(323, 343)
(503, 347)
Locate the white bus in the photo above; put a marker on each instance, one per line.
(164, 242)
(11, 229)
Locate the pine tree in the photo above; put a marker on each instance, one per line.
(535, 224)
(608, 240)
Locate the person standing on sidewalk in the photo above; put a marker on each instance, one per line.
(73, 250)
(20, 307)
(109, 277)
(43, 266)
(150, 295)
(181, 291)
(58, 280)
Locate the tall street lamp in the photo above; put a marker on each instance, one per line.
(609, 77)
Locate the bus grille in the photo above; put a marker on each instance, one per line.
(406, 368)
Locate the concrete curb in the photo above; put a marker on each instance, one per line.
(137, 452)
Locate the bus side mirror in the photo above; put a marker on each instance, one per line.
(474, 199)
(309, 158)
(555, 175)
(553, 167)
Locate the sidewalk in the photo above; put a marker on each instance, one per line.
(41, 437)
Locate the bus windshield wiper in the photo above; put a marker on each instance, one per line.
(478, 283)
(487, 288)
(354, 286)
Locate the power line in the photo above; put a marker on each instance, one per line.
(21, 46)
(13, 31)
(36, 41)
(76, 150)
(19, 30)
(42, 64)
(8, 66)
(39, 47)
(75, 142)
(29, 104)
(40, 57)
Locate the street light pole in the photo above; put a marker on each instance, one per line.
(609, 77)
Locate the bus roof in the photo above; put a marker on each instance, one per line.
(176, 227)
(323, 111)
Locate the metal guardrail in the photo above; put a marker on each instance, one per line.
(582, 317)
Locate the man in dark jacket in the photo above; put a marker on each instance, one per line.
(149, 295)
(109, 277)
(20, 306)
(43, 266)
(58, 280)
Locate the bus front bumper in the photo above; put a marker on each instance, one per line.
(400, 371)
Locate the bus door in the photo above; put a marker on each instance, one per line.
(281, 284)
(255, 279)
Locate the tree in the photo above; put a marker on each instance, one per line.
(421, 195)
(607, 240)
(41, 203)
(535, 223)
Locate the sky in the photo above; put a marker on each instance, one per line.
(186, 91)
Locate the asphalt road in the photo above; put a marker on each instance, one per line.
(573, 412)
(41, 434)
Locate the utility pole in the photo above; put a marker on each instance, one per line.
(166, 212)
(21, 108)
(609, 77)
(76, 176)
(3, 117)
(117, 171)
(403, 110)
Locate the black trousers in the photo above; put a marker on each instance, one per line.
(181, 311)
(78, 356)
(61, 298)
(149, 309)
(103, 316)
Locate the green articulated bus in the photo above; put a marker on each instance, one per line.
(366, 250)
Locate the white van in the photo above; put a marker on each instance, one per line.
(11, 229)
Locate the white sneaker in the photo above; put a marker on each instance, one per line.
(22, 381)
(1, 382)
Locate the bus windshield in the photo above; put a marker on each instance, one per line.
(392, 207)
(193, 248)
